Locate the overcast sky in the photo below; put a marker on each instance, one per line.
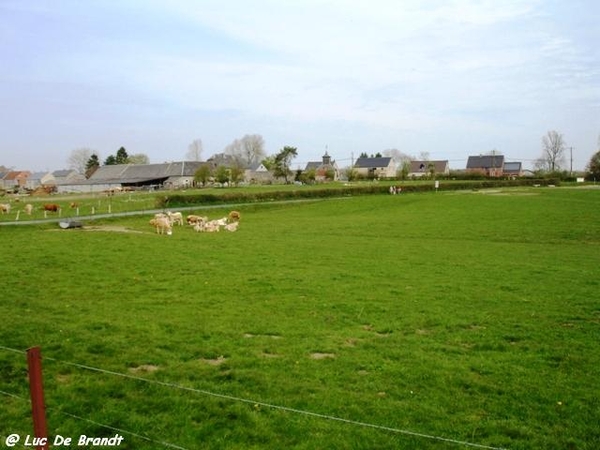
(451, 78)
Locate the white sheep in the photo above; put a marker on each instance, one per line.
(175, 218)
(212, 227)
(193, 219)
(221, 222)
(233, 226)
(162, 225)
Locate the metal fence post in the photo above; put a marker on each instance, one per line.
(36, 388)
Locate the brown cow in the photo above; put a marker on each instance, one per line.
(52, 207)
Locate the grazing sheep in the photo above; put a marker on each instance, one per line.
(28, 209)
(221, 222)
(5, 208)
(193, 219)
(233, 226)
(175, 218)
(212, 227)
(234, 216)
(74, 205)
(162, 225)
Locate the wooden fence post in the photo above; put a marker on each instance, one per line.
(36, 388)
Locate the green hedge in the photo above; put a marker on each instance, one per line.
(178, 200)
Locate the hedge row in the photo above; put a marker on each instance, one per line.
(178, 200)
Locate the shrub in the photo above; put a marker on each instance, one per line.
(178, 200)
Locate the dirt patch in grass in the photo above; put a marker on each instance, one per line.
(144, 368)
(63, 378)
(318, 355)
(272, 336)
(351, 342)
(214, 362)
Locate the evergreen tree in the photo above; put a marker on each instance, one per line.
(91, 165)
(122, 156)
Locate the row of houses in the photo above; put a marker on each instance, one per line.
(11, 179)
(386, 167)
(181, 174)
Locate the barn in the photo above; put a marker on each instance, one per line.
(171, 175)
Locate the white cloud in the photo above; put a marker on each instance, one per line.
(391, 69)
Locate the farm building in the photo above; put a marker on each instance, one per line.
(14, 178)
(420, 169)
(513, 169)
(323, 168)
(258, 173)
(169, 175)
(67, 176)
(37, 179)
(488, 165)
(377, 167)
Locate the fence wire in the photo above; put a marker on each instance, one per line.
(242, 400)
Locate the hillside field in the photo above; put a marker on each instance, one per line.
(417, 321)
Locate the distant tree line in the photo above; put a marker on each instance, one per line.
(249, 151)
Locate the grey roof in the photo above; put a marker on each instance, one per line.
(485, 162)
(423, 166)
(372, 162)
(313, 165)
(134, 173)
(37, 175)
(512, 167)
(62, 173)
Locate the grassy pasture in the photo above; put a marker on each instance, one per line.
(470, 316)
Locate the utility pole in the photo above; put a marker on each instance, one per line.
(571, 170)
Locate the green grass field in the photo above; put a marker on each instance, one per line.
(468, 317)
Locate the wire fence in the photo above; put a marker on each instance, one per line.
(230, 398)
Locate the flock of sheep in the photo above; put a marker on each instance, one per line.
(164, 222)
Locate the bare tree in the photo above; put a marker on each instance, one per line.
(398, 156)
(195, 149)
(248, 150)
(79, 157)
(234, 149)
(402, 161)
(553, 150)
(253, 147)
